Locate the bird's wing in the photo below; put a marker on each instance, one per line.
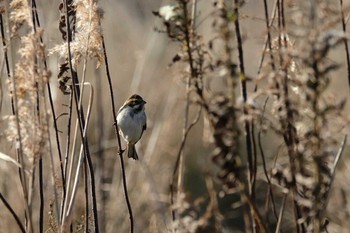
(121, 108)
(144, 127)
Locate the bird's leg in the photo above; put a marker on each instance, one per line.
(121, 151)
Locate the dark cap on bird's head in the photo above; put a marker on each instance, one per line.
(135, 99)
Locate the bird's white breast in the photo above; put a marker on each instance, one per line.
(131, 125)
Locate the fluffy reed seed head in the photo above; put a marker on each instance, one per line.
(29, 81)
(87, 39)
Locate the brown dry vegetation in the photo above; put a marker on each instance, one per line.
(247, 106)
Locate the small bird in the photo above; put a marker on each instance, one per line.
(131, 120)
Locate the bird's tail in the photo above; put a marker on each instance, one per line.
(132, 151)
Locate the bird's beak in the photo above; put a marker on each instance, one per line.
(144, 102)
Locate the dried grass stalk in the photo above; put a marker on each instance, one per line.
(87, 38)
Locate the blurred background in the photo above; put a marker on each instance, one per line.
(140, 60)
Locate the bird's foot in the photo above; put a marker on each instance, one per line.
(121, 151)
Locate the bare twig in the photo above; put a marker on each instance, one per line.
(268, 43)
(68, 206)
(13, 213)
(19, 146)
(265, 166)
(280, 216)
(180, 158)
(345, 41)
(81, 118)
(213, 205)
(52, 107)
(289, 134)
(36, 22)
(335, 165)
(42, 200)
(247, 126)
(66, 162)
(339, 154)
(259, 224)
(182, 145)
(120, 150)
(254, 160)
(86, 185)
(188, 30)
(244, 88)
(6, 57)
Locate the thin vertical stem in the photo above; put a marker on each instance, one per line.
(244, 87)
(189, 27)
(280, 216)
(42, 202)
(247, 217)
(81, 119)
(345, 41)
(7, 63)
(19, 146)
(37, 22)
(270, 192)
(99, 134)
(66, 161)
(86, 184)
(120, 150)
(289, 134)
(189, 33)
(13, 213)
(255, 161)
(268, 42)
